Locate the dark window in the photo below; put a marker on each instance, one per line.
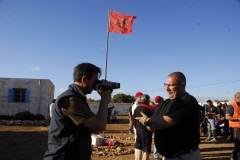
(18, 95)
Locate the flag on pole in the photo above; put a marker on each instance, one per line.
(120, 23)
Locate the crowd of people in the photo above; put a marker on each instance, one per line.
(174, 123)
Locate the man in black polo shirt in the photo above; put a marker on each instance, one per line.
(211, 111)
(176, 124)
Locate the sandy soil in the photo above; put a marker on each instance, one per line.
(30, 143)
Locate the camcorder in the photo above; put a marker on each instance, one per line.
(113, 85)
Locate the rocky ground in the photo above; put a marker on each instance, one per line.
(29, 142)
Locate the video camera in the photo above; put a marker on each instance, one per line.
(113, 85)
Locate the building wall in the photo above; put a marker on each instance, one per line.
(41, 93)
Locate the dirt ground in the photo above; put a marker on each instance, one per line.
(30, 143)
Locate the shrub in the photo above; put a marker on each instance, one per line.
(6, 117)
(38, 117)
(25, 115)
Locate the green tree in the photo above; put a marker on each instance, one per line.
(122, 98)
(97, 101)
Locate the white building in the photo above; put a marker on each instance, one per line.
(33, 95)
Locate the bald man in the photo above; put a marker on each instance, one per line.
(176, 123)
(233, 115)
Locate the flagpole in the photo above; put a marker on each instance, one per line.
(107, 45)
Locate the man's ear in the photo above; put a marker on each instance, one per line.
(84, 80)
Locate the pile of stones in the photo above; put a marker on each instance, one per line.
(24, 122)
(111, 151)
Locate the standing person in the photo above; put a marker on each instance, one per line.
(219, 110)
(137, 101)
(51, 108)
(157, 103)
(144, 136)
(110, 109)
(130, 119)
(73, 122)
(114, 116)
(176, 123)
(151, 103)
(224, 108)
(211, 111)
(233, 115)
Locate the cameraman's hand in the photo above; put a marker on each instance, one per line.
(105, 94)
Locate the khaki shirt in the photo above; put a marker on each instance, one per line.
(75, 109)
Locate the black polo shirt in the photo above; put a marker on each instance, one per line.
(183, 135)
(211, 109)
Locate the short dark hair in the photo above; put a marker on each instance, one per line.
(180, 77)
(85, 69)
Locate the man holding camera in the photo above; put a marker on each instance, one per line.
(72, 121)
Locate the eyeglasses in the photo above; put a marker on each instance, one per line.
(170, 85)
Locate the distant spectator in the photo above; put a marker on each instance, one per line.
(223, 126)
(51, 107)
(224, 108)
(134, 106)
(211, 111)
(109, 113)
(114, 116)
(157, 104)
(202, 112)
(144, 136)
(151, 103)
(219, 110)
(203, 126)
(130, 119)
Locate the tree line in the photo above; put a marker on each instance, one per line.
(118, 98)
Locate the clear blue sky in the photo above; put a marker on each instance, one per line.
(45, 39)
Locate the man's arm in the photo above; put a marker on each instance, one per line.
(229, 114)
(98, 122)
(129, 114)
(231, 118)
(156, 123)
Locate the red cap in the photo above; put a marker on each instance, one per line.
(138, 94)
(158, 98)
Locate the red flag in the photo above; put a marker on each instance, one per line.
(120, 23)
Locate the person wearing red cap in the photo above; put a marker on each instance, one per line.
(158, 101)
(137, 100)
(134, 106)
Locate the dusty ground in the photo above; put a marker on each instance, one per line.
(30, 143)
